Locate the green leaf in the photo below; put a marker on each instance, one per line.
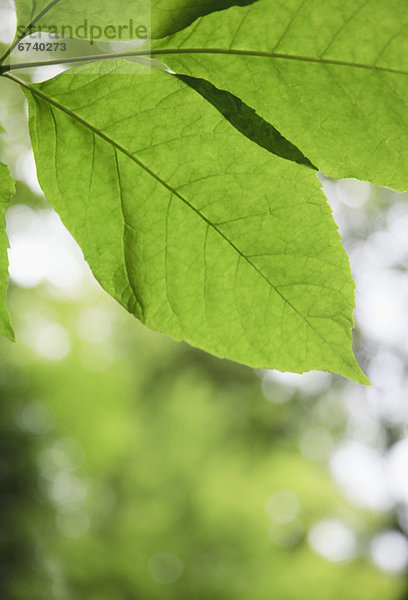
(330, 75)
(161, 17)
(6, 192)
(196, 230)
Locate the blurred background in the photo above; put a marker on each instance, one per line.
(133, 467)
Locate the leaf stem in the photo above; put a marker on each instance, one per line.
(27, 30)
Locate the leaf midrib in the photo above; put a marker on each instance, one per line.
(280, 55)
(174, 192)
(216, 51)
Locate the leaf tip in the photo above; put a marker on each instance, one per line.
(357, 375)
(7, 331)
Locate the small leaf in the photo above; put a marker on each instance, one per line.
(7, 189)
(196, 230)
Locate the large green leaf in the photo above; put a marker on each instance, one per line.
(6, 192)
(161, 17)
(330, 75)
(195, 229)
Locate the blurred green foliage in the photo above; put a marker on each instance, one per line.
(148, 479)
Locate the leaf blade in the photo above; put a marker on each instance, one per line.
(204, 251)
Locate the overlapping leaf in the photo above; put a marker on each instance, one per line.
(245, 119)
(330, 75)
(195, 229)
